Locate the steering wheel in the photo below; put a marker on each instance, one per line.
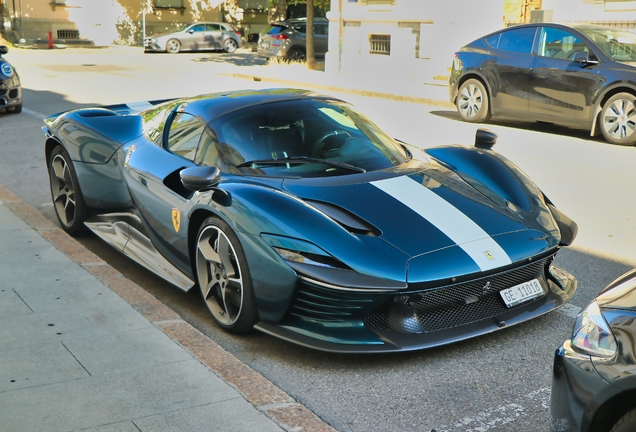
(318, 147)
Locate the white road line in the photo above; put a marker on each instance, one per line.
(569, 310)
(33, 113)
(501, 415)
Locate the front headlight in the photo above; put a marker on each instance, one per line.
(6, 69)
(309, 258)
(592, 335)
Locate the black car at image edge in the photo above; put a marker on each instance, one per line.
(594, 372)
(10, 89)
(581, 76)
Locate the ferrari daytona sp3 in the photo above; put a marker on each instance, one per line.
(294, 214)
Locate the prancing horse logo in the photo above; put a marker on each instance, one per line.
(486, 287)
(176, 219)
(489, 255)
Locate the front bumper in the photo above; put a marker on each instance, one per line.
(322, 320)
(10, 92)
(577, 391)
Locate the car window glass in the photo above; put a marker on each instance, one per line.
(558, 43)
(198, 28)
(327, 130)
(154, 121)
(322, 30)
(618, 44)
(213, 27)
(184, 135)
(209, 152)
(275, 29)
(493, 40)
(302, 28)
(517, 40)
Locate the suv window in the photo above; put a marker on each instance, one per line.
(321, 29)
(198, 28)
(184, 135)
(302, 28)
(558, 43)
(518, 40)
(275, 29)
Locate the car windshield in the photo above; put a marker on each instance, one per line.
(620, 45)
(303, 138)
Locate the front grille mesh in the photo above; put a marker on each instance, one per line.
(453, 305)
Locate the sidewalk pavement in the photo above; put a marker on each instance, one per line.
(84, 348)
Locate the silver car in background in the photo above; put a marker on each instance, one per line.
(287, 40)
(196, 37)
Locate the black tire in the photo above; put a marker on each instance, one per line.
(68, 202)
(472, 102)
(224, 278)
(173, 46)
(230, 45)
(16, 109)
(296, 55)
(627, 423)
(618, 119)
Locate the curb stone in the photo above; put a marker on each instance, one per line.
(255, 388)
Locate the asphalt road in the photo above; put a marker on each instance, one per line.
(498, 382)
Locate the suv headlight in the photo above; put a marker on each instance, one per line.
(592, 335)
(6, 69)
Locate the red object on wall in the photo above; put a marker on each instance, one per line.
(50, 39)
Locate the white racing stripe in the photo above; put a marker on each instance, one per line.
(469, 236)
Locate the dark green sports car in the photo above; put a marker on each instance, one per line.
(294, 214)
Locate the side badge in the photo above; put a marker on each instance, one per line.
(487, 253)
(176, 219)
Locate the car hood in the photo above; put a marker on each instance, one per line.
(620, 294)
(433, 216)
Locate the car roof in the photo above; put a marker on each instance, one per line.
(212, 106)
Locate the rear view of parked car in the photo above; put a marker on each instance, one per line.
(196, 37)
(582, 77)
(287, 40)
(10, 89)
(594, 372)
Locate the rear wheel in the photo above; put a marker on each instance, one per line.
(230, 45)
(67, 198)
(296, 55)
(224, 278)
(618, 119)
(472, 102)
(173, 46)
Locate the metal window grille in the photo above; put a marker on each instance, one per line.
(380, 44)
(68, 34)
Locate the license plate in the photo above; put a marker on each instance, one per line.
(522, 293)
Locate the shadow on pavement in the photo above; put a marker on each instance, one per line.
(541, 127)
(237, 59)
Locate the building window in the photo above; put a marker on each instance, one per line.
(68, 34)
(380, 44)
(174, 4)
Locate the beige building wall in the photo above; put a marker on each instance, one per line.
(423, 35)
(591, 10)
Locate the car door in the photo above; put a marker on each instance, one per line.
(214, 36)
(562, 89)
(194, 37)
(508, 70)
(155, 185)
(321, 39)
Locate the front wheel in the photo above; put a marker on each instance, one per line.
(627, 423)
(173, 46)
(67, 198)
(230, 45)
(224, 278)
(472, 102)
(618, 119)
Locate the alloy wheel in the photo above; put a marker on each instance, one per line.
(470, 101)
(220, 275)
(63, 191)
(619, 119)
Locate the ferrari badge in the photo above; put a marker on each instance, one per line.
(176, 219)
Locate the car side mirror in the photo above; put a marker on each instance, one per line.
(4, 49)
(191, 31)
(200, 177)
(485, 139)
(583, 57)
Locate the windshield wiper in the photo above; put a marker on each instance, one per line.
(301, 159)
